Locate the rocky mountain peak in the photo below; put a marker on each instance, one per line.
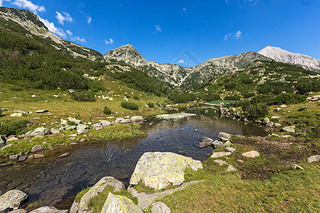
(280, 55)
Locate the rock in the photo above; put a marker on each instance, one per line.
(64, 122)
(266, 121)
(231, 169)
(3, 140)
(40, 132)
(158, 170)
(6, 146)
(12, 138)
(47, 209)
(22, 158)
(136, 119)
(314, 158)
(64, 155)
(81, 129)
(283, 106)
(12, 200)
(220, 154)
(216, 144)
(97, 188)
(122, 121)
(175, 116)
(205, 142)
(14, 157)
(17, 114)
(230, 149)
(228, 143)
(160, 207)
(221, 162)
(105, 123)
(224, 136)
(38, 156)
(119, 204)
(37, 148)
(42, 111)
(71, 127)
(277, 109)
(74, 120)
(54, 131)
(277, 125)
(5, 164)
(251, 154)
(275, 118)
(97, 126)
(19, 211)
(290, 129)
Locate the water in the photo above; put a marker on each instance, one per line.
(55, 182)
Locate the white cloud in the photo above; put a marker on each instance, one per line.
(158, 29)
(53, 28)
(184, 10)
(64, 18)
(242, 2)
(69, 32)
(89, 19)
(28, 5)
(181, 61)
(75, 38)
(110, 41)
(238, 35)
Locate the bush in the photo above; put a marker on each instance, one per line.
(13, 127)
(232, 97)
(136, 98)
(83, 96)
(150, 105)
(248, 94)
(279, 99)
(253, 111)
(212, 97)
(107, 110)
(130, 105)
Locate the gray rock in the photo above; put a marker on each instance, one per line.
(22, 158)
(97, 126)
(216, 144)
(19, 211)
(122, 121)
(6, 146)
(251, 154)
(290, 129)
(37, 148)
(3, 140)
(220, 154)
(231, 169)
(38, 156)
(54, 131)
(81, 129)
(47, 209)
(228, 143)
(221, 162)
(97, 188)
(230, 149)
(205, 142)
(71, 127)
(105, 123)
(14, 157)
(160, 207)
(119, 204)
(266, 121)
(136, 119)
(277, 125)
(224, 136)
(42, 111)
(12, 200)
(40, 132)
(64, 122)
(64, 155)
(314, 158)
(158, 170)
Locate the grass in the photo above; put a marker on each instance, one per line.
(81, 193)
(263, 184)
(140, 187)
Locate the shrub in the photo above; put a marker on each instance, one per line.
(12, 127)
(151, 105)
(253, 111)
(83, 96)
(212, 97)
(232, 97)
(248, 94)
(136, 98)
(107, 110)
(130, 105)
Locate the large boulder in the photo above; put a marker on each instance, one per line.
(37, 148)
(314, 158)
(12, 200)
(159, 207)
(3, 140)
(158, 170)
(119, 204)
(48, 209)
(97, 188)
(205, 142)
(136, 119)
(40, 131)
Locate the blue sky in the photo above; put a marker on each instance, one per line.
(163, 30)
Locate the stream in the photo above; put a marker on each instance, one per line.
(55, 181)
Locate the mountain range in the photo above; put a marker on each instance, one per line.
(173, 74)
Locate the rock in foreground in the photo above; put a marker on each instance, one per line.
(314, 158)
(158, 170)
(12, 200)
(160, 207)
(119, 204)
(47, 209)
